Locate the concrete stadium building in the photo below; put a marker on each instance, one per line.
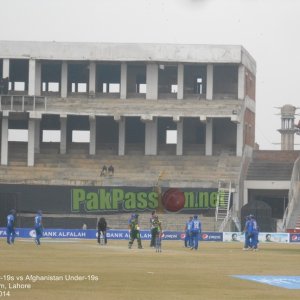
(164, 116)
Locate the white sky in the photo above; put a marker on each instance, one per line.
(268, 29)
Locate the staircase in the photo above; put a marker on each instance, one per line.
(223, 212)
(291, 218)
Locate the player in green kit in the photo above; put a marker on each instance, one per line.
(135, 231)
(158, 233)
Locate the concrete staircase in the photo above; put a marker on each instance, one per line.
(270, 170)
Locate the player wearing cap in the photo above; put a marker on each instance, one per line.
(10, 228)
(195, 232)
(134, 231)
(38, 227)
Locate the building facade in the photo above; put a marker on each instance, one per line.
(127, 99)
(128, 94)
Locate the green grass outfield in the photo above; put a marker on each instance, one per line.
(113, 272)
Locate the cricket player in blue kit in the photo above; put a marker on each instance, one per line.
(255, 232)
(10, 229)
(38, 226)
(187, 239)
(195, 232)
(247, 233)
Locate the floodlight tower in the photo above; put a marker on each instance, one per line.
(288, 128)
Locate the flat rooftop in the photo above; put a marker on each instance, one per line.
(127, 52)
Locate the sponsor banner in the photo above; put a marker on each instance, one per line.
(233, 237)
(263, 237)
(212, 236)
(145, 235)
(294, 237)
(87, 234)
(52, 233)
(107, 199)
(111, 234)
(269, 237)
(208, 236)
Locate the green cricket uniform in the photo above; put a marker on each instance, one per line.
(135, 233)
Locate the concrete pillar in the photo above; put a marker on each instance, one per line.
(180, 81)
(151, 137)
(241, 82)
(239, 139)
(5, 68)
(31, 77)
(92, 79)
(179, 146)
(4, 139)
(122, 127)
(31, 143)
(63, 134)
(64, 80)
(152, 81)
(92, 146)
(38, 78)
(209, 82)
(37, 136)
(123, 93)
(209, 137)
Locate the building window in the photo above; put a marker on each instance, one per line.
(199, 88)
(17, 135)
(171, 137)
(174, 88)
(51, 136)
(80, 136)
(19, 86)
(142, 88)
(111, 87)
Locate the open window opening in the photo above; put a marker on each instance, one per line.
(80, 136)
(17, 135)
(171, 136)
(51, 136)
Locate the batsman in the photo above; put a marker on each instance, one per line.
(135, 231)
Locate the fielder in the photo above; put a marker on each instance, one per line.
(195, 232)
(10, 228)
(38, 226)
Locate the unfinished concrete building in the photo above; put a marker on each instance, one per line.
(163, 115)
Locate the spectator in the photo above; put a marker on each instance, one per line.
(103, 171)
(111, 170)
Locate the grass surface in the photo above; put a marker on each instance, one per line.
(114, 272)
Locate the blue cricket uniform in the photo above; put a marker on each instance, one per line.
(10, 229)
(195, 232)
(38, 226)
(255, 233)
(187, 239)
(247, 233)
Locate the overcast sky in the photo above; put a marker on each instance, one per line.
(268, 29)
